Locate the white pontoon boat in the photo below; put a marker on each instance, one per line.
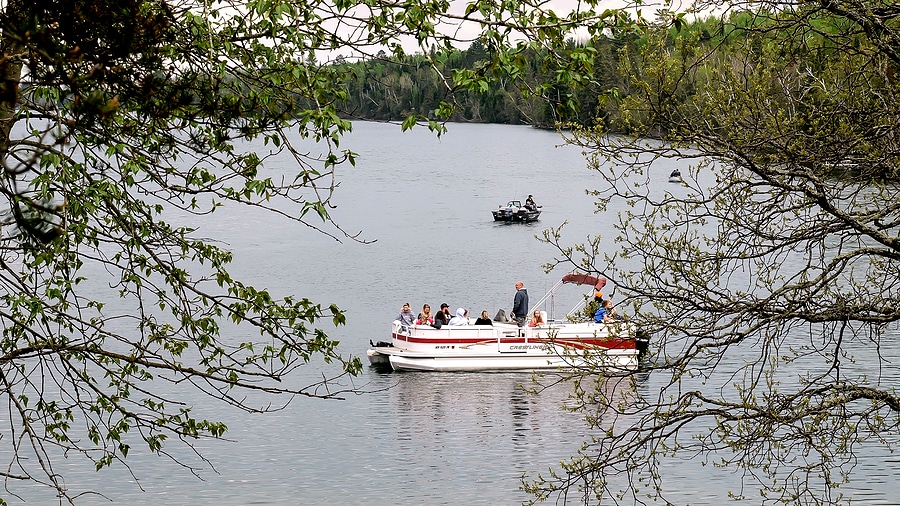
(508, 347)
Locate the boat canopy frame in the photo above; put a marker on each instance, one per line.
(573, 278)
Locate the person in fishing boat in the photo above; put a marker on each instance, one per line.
(460, 318)
(406, 316)
(529, 204)
(519, 311)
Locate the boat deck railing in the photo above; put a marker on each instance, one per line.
(549, 304)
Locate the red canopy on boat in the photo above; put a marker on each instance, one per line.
(585, 279)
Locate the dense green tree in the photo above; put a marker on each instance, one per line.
(121, 122)
(116, 118)
(769, 280)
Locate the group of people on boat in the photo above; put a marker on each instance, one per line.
(518, 314)
(606, 313)
(441, 318)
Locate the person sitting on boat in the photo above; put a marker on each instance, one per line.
(406, 316)
(425, 317)
(445, 308)
(606, 313)
(460, 318)
(529, 204)
(537, 320)
(440, 319)
(484, 319)
(600, 314)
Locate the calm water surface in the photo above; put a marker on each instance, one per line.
(434, 439)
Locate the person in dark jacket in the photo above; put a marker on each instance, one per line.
(440, 319)
(484, 319)
(445, 308)
(520, 305)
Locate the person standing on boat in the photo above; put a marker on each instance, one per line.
(520, 304)
(406, 316)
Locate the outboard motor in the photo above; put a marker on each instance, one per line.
(642, 342)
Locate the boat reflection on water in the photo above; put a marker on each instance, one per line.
(449, 421)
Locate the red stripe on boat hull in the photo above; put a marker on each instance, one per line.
(617, 344)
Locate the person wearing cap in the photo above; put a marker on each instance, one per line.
(406, 316)
(440, 318)
(529, 204)
(445, 308)
(519, 311)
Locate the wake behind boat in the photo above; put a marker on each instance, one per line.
(508, 347)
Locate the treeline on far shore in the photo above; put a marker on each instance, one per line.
(585, 83)
(384, 89)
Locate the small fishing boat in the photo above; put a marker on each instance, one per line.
(516, 212)
(565, 343)
(675, 176)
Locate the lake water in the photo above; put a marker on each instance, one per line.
(423, 438)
